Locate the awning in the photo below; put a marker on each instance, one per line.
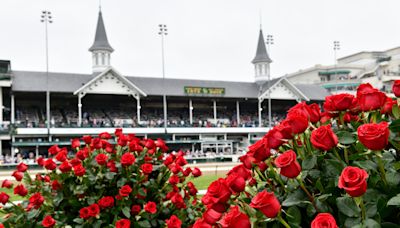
(334, 72)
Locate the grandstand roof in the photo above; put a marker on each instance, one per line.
(261, 54)
(100, 40)
(29, 81)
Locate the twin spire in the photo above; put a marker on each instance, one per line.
(100, 40)
(261, 54)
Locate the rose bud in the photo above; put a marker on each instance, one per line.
(4, 198)
(48, 221)
(211, 216)
(196, 172)
(22, 167)
(18, 175)
(370, 98)
(235, 218)
(173, 222)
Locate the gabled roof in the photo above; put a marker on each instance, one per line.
(274, 82)
(100, 40)
(261, 54)
(124, 80)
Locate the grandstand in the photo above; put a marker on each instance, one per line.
(205, 118)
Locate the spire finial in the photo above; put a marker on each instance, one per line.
(100, 5)
(260, 19)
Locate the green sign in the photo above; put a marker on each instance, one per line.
(190, 90)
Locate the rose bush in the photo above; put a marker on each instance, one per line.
(104, 185)
(336, 168)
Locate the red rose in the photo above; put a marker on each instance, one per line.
(94, 210)
(288, 164)
(211, 216)
(173, 222)
(301, 108)
(260, 150)
(53, 150)
(105, 135)
(87, 139)
(323, 138)
(180, 160)
(40, 161)
(192, 188)
(127, 159)
(325, 117)
(101, 159)
(247, 160)
(196, 172)
(374, 136)
(177, 200)
(338, 102)
(147, 168)
(75, 162)
(148, 143)
(324, 220)
(123, 223)
(22, 167)
(111, 165)
(315, 112)
(136, 209)
(75, 143)
(174, 179)
(36, 200)
(50, 164)
(65, 167)
(285, 129)
(353, 180)
(297, 121)
(6, 184)
(55, 185)
(217, 192)
(125, 190)
(150, 207)
(187, 171)
(370, 98)
(106, 201)
(20, 190)
(242, 171)
(48, 221)
(79, 170)
(18, 175)
(388, 106)
(267, 203)
(160, 143)
(61, 156)
(84, 213)
(236, 182)
(396, 88)
(82, 154)
(274, 138)
(200, 223)
(235, 219)
(4, 198)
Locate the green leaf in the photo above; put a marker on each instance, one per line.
(32, 214)
(126, 211)
(367, 165)
(372, 209)
(393, 178)
(144, 224)
(110, 175)
(394, 201)
(396, 111)
(293, 215)
(295, 198)
(347, 206)
(346, 137)
(350, 222)
(395, 125)
(78, 220)
(309, 162)
(370, 223)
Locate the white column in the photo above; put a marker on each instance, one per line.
(237, 113)
(1, 106)
(190, 111)
(259, 113)
(79, 110)
(215, 111)
(138, 107)
(12, 109)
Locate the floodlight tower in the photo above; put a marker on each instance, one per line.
(163, 31)
(47, 18)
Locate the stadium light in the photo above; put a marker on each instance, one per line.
(270, 41)
(47, 18)
(163, 32)
(336, 47)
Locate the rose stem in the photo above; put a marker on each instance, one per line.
(346, 155)
(277, 176)
(310, 197)
(362, 206)
(281, 220)
(382, 171)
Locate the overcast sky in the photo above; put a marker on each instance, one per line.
(208, 39)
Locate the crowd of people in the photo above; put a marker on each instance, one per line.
(151, 118)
